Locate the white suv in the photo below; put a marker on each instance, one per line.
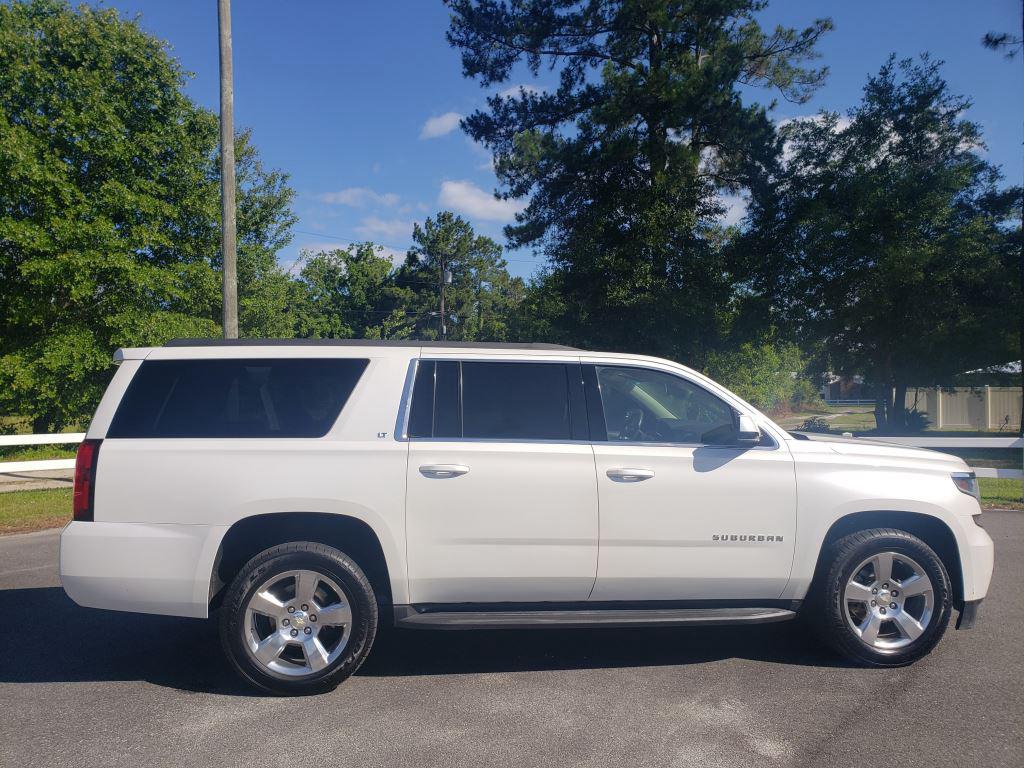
(312, 490)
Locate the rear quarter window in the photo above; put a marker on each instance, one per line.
(279, 397)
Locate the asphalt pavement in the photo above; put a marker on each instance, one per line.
(92, 688)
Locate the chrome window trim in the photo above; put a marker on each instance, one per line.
(405, 404)
(405, 408)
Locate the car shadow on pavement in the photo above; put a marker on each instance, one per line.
(422, 652)
(84, 645)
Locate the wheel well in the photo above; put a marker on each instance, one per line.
(250, 536)
(931, 530)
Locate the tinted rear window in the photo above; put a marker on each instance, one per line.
(515, 401)
(436, 411)
(299, 397)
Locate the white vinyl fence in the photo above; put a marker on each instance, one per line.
(11, 467)
(14, 467)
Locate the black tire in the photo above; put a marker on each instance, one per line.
(327, 562)
(830, 608)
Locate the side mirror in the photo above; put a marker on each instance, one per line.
(747, 433)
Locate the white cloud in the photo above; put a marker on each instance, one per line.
(408, 208)
(440, 125)
(372, 227)
(358, 197)
(518, 90)
(466, 197)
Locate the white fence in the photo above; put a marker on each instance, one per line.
(968, 408)
(12, 467)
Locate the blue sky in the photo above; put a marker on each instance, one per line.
(359, 101)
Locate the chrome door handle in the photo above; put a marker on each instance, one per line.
(624, 475)
(443, 471)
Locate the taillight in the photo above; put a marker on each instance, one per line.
(85, 479)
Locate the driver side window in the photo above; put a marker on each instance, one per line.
(645, 405)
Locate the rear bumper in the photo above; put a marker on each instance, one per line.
(139, 567)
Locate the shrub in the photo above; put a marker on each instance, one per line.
(916, 421)
(771, 376)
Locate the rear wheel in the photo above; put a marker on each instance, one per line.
(886, 599)
(298, 618)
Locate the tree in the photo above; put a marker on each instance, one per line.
(351, 293)
(109, 207)
(482, 294)
(623, 162)
(1009, 45)
(770, 374)
(889, 239)
(264, 222)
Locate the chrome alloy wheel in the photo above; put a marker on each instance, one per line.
(889, 601)
(297, 623)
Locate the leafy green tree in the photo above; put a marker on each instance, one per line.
(624, 161)
(352, 293)
(890, 240)
(264, 222)
(771, 376)
(109, 208)
(482, 294)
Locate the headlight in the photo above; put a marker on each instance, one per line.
(967, 482)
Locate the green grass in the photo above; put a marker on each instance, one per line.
(22, 511)
(853, 420)
(1001, 492)
(37, 452)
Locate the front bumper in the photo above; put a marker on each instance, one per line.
(977, 560)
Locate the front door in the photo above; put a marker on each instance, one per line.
(685, 515)
(501, 501)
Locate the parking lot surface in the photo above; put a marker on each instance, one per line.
(93, 688)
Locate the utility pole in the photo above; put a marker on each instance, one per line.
(445, 278)
(227, 172)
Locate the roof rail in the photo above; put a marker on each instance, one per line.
(362, 343)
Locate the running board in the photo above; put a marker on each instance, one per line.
(410, 617)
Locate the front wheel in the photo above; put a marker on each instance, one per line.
(298, 618)
(886, 600)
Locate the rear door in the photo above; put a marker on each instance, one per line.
(501, 494)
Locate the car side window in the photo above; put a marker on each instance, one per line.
(515, 401)
(236, 398)
(487, 400)
(646, 405)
